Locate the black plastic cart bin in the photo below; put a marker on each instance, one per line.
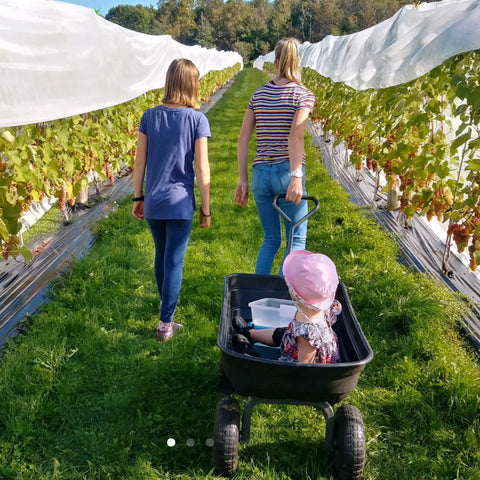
(266, 380)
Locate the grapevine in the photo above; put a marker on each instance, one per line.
(53, 159)
(408, 133)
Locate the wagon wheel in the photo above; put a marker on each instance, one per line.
(226, 436)
(349, 443)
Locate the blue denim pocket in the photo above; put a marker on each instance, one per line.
(256, 174)
(281, 178)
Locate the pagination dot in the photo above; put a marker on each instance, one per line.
(190, 442)
(171, 442)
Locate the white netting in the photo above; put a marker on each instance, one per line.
(59, 60)
(406, 46)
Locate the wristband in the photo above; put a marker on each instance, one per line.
(297, 173)
(138, 199)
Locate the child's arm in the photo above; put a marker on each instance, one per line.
(296, 152)
(139, 174)
(202, 171)
(306, 353)
(246, 132)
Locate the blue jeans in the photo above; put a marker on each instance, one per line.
(268, 181)
(171, 239)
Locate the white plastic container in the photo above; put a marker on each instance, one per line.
(272, 312)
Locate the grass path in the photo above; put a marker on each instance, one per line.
(88, 393)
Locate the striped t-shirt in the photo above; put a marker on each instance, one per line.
(274, 107)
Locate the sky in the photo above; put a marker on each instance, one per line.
(106, 5)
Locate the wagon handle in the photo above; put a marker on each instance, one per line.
(288, 219)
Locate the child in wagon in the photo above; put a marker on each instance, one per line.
(309, 338)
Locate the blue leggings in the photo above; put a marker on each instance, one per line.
(171, 239)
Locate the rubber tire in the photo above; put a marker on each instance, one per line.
(349, 443)
(226, 436)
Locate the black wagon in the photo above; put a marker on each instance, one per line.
(264, 379)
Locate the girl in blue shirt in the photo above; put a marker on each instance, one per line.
(172, 150)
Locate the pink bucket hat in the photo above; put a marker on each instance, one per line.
(312, 277)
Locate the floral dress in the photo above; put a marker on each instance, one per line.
(319, 333)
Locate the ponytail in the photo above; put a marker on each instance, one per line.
(286, 57)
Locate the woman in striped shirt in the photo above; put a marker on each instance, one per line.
(279, 112)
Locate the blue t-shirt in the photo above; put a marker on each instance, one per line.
(170, 174)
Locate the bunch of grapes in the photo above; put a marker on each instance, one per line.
(474, 246)
(62, 200)
(10, 247)
(460, 234)
(108, 170)
(372, 164)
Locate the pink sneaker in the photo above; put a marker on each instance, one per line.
(166, 330)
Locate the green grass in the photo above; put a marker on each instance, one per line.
(88, 393)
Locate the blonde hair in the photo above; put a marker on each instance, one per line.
(286, 59)
(181, 84)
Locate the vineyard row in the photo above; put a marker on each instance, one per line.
(55, 159)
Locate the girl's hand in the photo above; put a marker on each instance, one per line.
(205, 219)
(137, 210)
(241, 194)
(295, 190)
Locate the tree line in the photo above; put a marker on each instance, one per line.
(252, 27)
